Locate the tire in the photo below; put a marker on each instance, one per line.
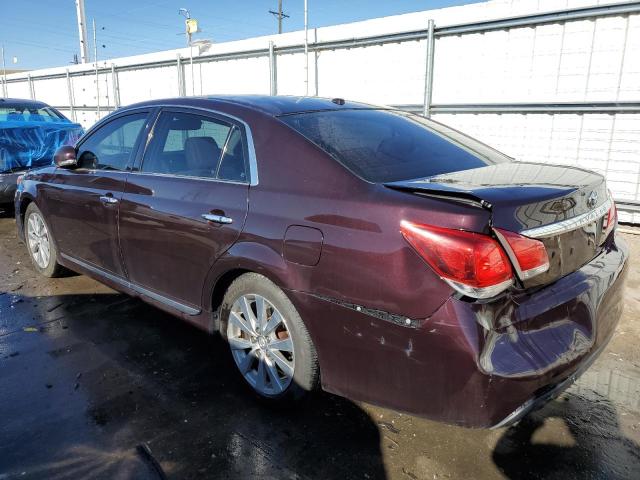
(37, 237)
(260, 349)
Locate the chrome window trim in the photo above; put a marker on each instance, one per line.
(135, 287)
(569, 224)
(93, 170)
(169, 175)
(253, 162)
(189, 177)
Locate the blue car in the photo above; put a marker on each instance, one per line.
(30, 133)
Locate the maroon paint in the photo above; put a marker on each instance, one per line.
(82, 225)
(160, 213)
(303, 245)
(457, 360)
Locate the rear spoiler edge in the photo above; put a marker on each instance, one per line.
(447, 195)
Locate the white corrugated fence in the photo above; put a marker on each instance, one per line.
(544, 80)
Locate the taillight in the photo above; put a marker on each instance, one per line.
(530, 254)
(610, 220)
(472, 263)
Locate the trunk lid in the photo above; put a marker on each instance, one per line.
(562, 206)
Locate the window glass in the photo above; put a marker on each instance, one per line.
(194, 145)
(26, 113)
(111, 147)
(385, 146)
(232, 166)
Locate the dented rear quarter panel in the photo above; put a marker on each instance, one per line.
(471, 363)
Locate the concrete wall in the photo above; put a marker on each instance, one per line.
(575, 61)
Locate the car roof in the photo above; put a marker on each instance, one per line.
(271, 105)
(21, 102)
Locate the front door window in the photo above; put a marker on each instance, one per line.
(112, 146)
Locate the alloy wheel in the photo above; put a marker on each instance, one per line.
(261, 344)
(39, 241)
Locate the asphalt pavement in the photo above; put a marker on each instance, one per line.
(95, 385)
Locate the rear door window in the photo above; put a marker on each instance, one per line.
(385, 146)
(188, 144)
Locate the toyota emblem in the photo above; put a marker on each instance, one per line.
(593, 199)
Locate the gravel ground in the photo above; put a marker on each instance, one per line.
(94, 384)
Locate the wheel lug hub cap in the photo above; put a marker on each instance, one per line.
(259, 340)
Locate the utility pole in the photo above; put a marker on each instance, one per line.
(306, 49)
(4, 75)
(82, 31)
(280, 15)
(191, 27)
(4, 72)
(95, 59)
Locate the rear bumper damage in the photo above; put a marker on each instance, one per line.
(556, 333)
(550, 392)
(477, 364)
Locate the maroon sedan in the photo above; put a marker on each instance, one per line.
(383, 256)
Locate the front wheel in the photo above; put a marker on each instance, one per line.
(268, 340)
(40, 243)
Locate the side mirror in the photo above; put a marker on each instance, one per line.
(65, 157)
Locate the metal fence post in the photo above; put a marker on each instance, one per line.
(70, 94)
(116, 86)
(181, 88)
(31, 90)
(428, 74)
(316, 54)
(273, 77)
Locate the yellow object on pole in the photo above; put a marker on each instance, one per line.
(192, 25)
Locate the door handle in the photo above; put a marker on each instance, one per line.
(107, 200)
(210, 217)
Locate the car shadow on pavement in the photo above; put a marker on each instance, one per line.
(574, 433)
(6, 212)
(105, 386)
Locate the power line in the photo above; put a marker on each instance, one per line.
(116, 37)
(40, 46)
(280, 15)
(141, 6)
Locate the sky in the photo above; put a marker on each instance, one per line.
(44, 33)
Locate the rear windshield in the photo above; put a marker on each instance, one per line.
(28, 113)
(383, 146)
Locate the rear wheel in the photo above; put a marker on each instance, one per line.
(269, 343)
(40, 243)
